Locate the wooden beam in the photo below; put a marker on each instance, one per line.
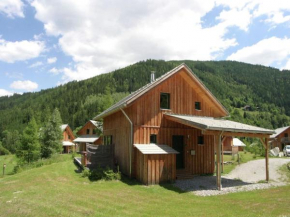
(223, 139)
(217, 140)
(233, 134)
(266, 145)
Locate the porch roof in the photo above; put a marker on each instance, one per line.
(155, 149)
(67, 143)
(86, 138)
(213, 124)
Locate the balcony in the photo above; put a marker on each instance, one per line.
(285, 140)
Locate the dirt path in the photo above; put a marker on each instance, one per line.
(254, 171)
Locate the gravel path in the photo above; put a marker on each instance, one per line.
(254, 171)
(243, 178)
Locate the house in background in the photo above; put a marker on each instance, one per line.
(89, 133)
(172, 128)
(68, 137)
(280, 138)
(232, 145)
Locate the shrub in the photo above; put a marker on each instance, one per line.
(3, 151)
(86, 173)
(101, 174)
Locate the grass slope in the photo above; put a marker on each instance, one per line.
(57, 190)
(10, 161)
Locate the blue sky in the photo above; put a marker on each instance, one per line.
(45, 43)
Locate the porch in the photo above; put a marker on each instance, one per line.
(219, 129)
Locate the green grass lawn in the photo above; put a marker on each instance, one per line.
(59, 190)
(10, 161)
(244, 158)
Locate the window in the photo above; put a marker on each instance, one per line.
(68, 136)
(88, 131)
(95, 131)
(200, 140)
(108, 140)
(197, 106)
(164, 100)
(153, 138)
(286, 135)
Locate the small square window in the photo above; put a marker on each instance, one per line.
(153, 138)
(88, 131)
(164, 100)
(200, 140)
(197, 106)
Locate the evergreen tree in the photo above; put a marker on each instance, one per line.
(51, 136)
(29, 149)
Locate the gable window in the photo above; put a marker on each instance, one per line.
(153, 139)
(164, 100)
(286, 135)
(88, 131)
(68, 136)
(197, 106)
(200, 140)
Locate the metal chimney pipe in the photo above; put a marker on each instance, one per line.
(152, 76)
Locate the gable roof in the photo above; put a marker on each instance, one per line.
(86, 138)
(210, 123)
(135, 95)
(62, 127)
(237, 142)
(279, 131)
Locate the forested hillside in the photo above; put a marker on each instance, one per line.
(235, 84)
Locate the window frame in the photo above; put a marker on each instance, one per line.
(197, 105)
(168, 99)
(151, 137)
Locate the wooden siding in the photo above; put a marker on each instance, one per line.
(66, 133)
(83, 130)
(277, 142)
(147, 117)
(155, 168)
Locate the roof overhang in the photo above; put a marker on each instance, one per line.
(155, 149)
(212, 126)
(86, 139)
(67, 143)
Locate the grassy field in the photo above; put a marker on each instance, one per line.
(59, 190)
(244, 158)
(10, 161)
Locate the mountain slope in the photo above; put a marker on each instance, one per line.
(235, 84)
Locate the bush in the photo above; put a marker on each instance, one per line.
(101, 174)
(4, 151)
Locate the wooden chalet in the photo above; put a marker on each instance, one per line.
(172, 126)
(280, 138)
(232, 145)
(68, 137)
(88, 134)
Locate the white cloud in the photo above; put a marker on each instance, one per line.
(5, 93)
(55, 71)
(24, 85)
(265, 52)
(34, 65)
(51, 60)
(287, 65)
(101, 36)
(14, 75)
(12, 8)
(20, 50)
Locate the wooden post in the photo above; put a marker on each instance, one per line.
(265, 143)
(267, 159)
(218, 161)
(224, 138)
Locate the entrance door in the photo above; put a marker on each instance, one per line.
(178, 145)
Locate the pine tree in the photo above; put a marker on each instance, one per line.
(51, 136)
(30, 147)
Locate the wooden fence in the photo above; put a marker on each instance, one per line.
(100, 155)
